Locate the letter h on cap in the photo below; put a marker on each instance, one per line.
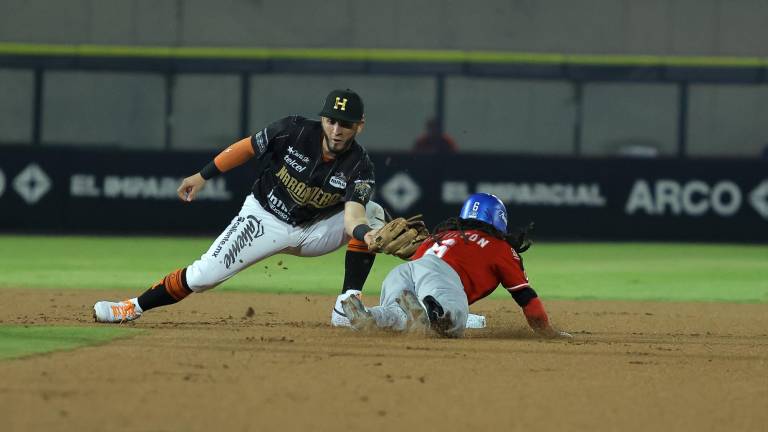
(340, 103)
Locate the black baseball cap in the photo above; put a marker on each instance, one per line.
(343, 105)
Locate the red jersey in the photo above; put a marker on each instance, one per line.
(481, 260)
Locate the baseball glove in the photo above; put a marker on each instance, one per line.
(401, 237)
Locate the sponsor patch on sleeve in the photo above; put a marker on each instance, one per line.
(260, 141)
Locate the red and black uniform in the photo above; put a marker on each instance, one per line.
(483, 262)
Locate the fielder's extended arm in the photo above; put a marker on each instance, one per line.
(233, 156)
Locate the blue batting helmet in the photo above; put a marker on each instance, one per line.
(487, 208)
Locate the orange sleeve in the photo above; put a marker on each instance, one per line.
(234, 155)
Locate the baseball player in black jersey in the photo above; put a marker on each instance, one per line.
(311, 196)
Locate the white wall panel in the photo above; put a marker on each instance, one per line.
(506, 116)
(118, 110)
(620, 118)
(16, 90)
(206, 111)
(728, 120)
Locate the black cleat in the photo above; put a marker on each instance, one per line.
(439, 320)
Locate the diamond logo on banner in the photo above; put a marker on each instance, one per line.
(32, 183)
(759, 199)
(401, 192)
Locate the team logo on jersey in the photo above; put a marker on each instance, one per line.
(363, 190)
(340, 104)
(338, 180)
(303, 194)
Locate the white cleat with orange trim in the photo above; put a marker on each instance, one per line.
(116, 312)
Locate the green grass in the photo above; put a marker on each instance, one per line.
(650, 271)
(20, 341)
(621, 271)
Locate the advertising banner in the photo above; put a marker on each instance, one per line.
(95, 191)
(570, 198)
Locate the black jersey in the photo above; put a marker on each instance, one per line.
(295, 184)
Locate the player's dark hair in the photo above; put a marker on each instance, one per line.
(518, 238)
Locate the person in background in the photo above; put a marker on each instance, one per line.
(434, 140)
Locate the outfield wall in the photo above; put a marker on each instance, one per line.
(193, 98)
(90, 191)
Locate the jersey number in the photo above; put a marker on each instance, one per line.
(439, 249)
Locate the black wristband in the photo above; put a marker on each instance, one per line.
(210, 171)
(360, 231)
(524, 296)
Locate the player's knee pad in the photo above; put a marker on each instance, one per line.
(441, 320)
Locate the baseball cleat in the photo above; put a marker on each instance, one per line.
(338, 317)
(417, 315)
(112, 312)
(359, 317)
(439, 319)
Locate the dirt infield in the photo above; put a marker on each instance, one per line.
(204, 365)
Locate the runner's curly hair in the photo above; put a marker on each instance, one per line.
(518, 238)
